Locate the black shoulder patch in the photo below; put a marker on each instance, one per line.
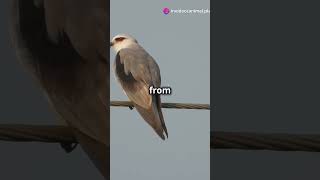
(34, 33)
(119, 70)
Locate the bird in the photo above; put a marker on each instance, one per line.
(62, 43)
(137, 71)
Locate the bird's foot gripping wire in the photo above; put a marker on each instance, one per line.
(68, 147)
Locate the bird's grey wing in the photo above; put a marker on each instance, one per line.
(84, 21)
(135, 86)
(137, 71)
(51, 43)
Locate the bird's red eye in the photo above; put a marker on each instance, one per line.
(119, 39)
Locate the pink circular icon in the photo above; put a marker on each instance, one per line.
(166, 10)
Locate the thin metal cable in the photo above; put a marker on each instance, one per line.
(165, 105)
(55, 134)
(219, 140)
(27, 133)
(264, 141)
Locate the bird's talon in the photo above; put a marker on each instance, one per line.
(68, 147)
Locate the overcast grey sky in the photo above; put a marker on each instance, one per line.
(180, 45)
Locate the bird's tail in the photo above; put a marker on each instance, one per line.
(157, 100)
(98, 152)
(154, 117)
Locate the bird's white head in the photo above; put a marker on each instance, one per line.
(122, 41)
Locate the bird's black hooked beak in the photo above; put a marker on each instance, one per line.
(111, 44)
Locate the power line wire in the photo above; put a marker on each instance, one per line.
(265, 141)
(165, 105)
(219, 140)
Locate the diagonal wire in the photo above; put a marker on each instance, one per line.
(265, 141)
(219, 139)
(39, 133)
(165, 105)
